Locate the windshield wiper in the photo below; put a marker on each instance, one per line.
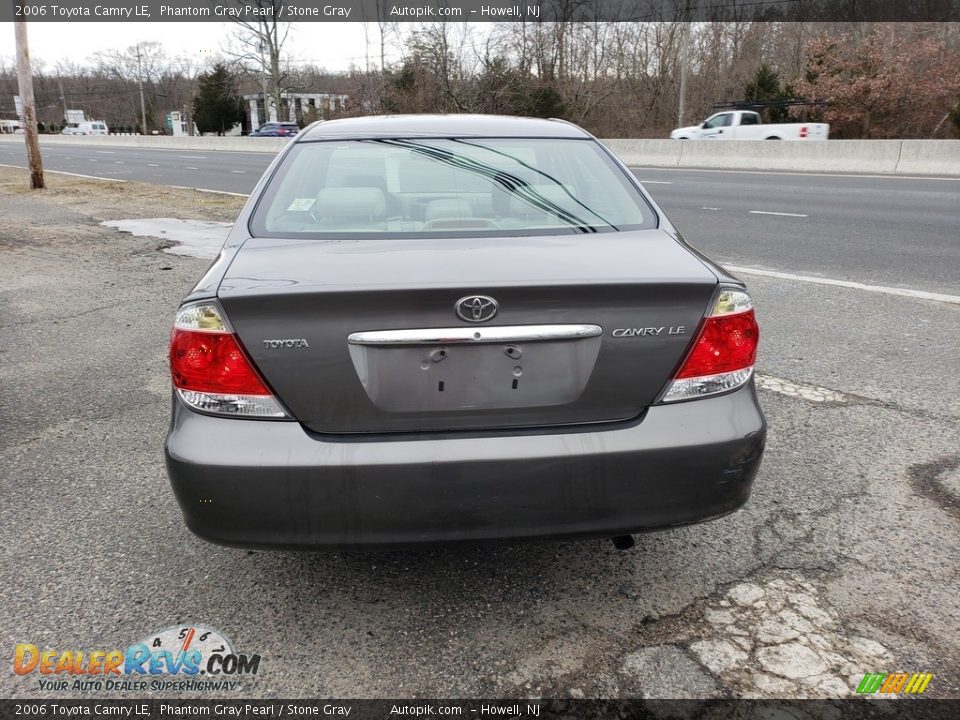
(511, 183)
(538, 171)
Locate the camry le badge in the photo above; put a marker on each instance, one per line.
(647, 331)
(476, 308)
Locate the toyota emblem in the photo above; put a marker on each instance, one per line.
(476, 308)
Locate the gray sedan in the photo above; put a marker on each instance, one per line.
(454, 328)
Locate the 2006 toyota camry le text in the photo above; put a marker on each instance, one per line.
(445, 328)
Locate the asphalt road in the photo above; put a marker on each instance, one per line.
(875, 230)
(846, 559)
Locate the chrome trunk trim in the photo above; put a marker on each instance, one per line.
(475, 335)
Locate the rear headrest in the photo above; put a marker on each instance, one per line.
(352, 202)
(448, 208)
(355, 181)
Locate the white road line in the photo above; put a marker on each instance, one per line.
(119, 162)
(814, 393)
(207, 190)
(902, 292)
(889, 176)
(709, 208)
(782, 214)
(104, 152)
(239, 172)
(657, 182)
(193, 157)
(62, 172)
(192, 168)
(92, 160)
(152, 165)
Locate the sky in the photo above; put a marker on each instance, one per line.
(334, 45)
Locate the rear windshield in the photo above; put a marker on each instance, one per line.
(452, 187)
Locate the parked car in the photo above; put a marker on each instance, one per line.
(276, 129)
(748, 125)
(445, 328)
(86, 128)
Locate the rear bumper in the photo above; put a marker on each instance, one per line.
(264, 483)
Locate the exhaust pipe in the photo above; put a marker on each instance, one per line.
(623, 542)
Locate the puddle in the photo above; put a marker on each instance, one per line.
(196, 238)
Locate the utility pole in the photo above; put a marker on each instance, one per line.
(63, 98)
(143, 107)
(25, 82)
(684, 61)
(263, 84)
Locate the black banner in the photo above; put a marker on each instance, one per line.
(856, 709)
(480, 10)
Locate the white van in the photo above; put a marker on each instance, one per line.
(92, 127)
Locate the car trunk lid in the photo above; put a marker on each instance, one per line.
(362, 336)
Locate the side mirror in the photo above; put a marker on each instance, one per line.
(704, 125)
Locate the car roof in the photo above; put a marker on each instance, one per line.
(387, 126)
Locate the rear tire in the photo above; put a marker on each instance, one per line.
(772, 138)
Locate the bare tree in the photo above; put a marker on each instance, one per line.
(259, 44)
(140, 64)
(616, 79)
(389, 34)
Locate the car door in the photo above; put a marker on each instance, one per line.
(717, 127)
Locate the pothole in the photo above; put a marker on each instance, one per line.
(939, 481)
(196, 238)
(778, 638)
(770, 638)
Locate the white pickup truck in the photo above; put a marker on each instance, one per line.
(746, 125)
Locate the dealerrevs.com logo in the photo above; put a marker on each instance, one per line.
(179, 658)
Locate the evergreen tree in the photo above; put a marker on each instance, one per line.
(216, 107)
(765, 87)
(955, 116)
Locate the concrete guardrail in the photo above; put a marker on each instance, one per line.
(881, 157)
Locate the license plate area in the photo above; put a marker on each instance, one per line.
(488, 375)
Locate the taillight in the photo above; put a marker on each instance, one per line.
(210, 370)
(803, 131)
(724, 352)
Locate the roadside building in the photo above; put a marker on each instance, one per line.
(293, 106)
